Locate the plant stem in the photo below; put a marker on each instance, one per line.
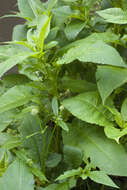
(50, 140)
(102, 187)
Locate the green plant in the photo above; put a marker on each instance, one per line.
(63, 118)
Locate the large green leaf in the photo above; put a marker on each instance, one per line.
(114, 15)
(95, 52)
(107, 37)
(14, 97)
(13, 60)
(25, 9)
(88, 107)
(18, 177)
(109, 78)
(106, 154)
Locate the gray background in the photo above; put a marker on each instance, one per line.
(6, 24)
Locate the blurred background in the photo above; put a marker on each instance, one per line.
(6, 24)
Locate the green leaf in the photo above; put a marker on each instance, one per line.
(21, 178)
(25, 9)
(43, 29)
(107, 37)
(124, 109)
(61, 186)
(21, 154)
(108, 79)
(113, 15)
(104, 153)
(115, 133)
(6, 118)
(55, 106)
(3, 163)
(74, 28)
(77, 85)
(11, 80)
(72, 156)
(88, 107)
(63, 125)
(53, 160)
(14, 97)
(124, 5)
(51, 3)
(70, 173)
(101, 177)
(19, 32)
(49, 187)
(30, 125)
(9, 141)
(13, 60)
(37, 7)
(61, 14)
(95, 52)
(39, 174)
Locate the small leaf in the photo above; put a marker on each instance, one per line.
(101, 177)
(55, 106)
(43, 29)
(3, 164)
(39, 174)
(70, 173)
(63, 125)
(115, 133)
(22, 178)
(88, 107)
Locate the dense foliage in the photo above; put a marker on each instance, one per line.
(63, 116)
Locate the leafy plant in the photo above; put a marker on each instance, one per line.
(63, 118)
